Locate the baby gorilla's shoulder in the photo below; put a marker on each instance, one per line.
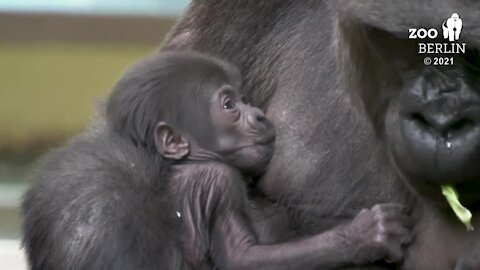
(218, 173)
(216, 177)
(218, 167)
(209, 173)
(224, 185)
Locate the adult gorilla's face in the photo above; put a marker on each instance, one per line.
(433, 123)
(429, 115)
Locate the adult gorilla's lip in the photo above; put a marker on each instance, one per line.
(440, 160)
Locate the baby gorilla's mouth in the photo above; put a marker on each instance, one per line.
(266, 139)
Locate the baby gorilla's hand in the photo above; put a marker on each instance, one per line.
(375, 234)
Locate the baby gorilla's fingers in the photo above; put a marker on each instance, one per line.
(397, 231)
(397, 237)
(379, 233)
(389, 208)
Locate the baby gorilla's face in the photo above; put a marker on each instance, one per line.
(244, 136)
(193, 105)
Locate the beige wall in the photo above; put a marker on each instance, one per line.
(54, 68)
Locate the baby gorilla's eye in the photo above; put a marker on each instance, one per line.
(245, 100)
(228, 104)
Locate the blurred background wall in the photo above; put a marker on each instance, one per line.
(57, 59)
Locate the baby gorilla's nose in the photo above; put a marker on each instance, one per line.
(256, 117)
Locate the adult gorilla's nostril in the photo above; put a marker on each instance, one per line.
(444, 125)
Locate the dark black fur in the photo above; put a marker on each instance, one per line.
(308, 64)
(288, 62)
(325, 75)
(99, 188)
(109, 199)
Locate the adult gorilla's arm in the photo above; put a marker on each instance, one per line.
(95, 204)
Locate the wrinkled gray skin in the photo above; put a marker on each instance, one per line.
(339, 93)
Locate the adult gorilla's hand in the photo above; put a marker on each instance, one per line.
(376, 234)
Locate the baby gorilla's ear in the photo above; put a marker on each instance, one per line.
(169, 144)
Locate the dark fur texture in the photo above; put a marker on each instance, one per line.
(286, 52)
(159, 185)
(312, 66)
(70, 209)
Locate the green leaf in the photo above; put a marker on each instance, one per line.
(463, 214)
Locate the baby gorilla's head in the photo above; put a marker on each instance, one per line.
(187, 106)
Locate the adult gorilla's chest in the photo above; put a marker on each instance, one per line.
(324, 71)
(327, 164)
(439, 243)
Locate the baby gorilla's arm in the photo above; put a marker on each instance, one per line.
(236, 248)
(375, 234)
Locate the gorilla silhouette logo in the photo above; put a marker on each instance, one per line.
(452, 27)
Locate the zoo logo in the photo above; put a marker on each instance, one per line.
(452, 27)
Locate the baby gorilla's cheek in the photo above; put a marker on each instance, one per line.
(227, 142)
(253, 159)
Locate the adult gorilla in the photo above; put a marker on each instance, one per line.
(355, 107)
(355, 110)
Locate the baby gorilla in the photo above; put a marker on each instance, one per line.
(187, 107)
